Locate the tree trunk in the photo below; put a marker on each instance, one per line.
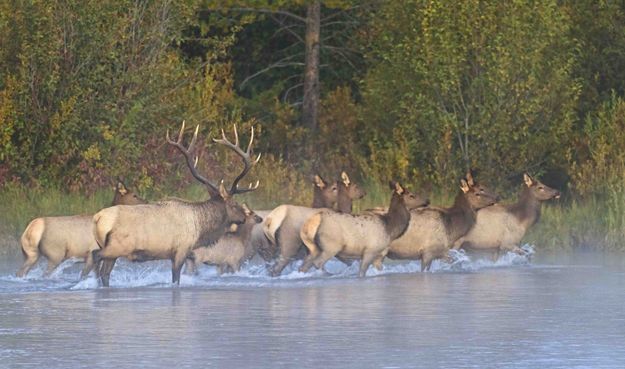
(310, 106)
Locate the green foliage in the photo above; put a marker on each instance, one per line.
(473, 83)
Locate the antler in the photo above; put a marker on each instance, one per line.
(247, 161)
(188, 154)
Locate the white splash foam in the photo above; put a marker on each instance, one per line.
(254, 274)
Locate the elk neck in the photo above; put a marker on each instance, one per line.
(319, 201)
(344, 202)
(460, 217)
(211, 220)
(527, 208)
(397, 218)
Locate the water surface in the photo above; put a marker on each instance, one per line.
(555, 312)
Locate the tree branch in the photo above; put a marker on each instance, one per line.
(268, 11)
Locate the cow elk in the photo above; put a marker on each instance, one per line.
(232, 249)
(432, 231)
(61, 238)
(501, 228)
(324, 196)
(283, 225)
(363, 237)
(171, 229)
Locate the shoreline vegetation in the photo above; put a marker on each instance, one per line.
(417, 92)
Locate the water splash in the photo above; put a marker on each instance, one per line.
(157, 274)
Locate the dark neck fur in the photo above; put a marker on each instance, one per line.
(527, 207)
(460, 217)
(318, 199)
(344, 203)
(211, 220)
(397, 218)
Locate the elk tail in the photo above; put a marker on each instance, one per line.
(31, 238)
(308, 233)
(273, 221)
(103, 222)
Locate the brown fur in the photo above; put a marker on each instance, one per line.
(61, 238)
(286, 235)
(501, 228)
(171, 229)
(231, 250)
(365, 236)
(432, 231)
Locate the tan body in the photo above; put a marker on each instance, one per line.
(432, 232)
(500, 228)
(365, 236)
(231, 250)
(58, 239)
(284, 224)
(64, 237)
(171, 229)
(166, 230)
(259, 241)
(426, 238)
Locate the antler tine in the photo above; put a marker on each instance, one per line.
(249, 146)
(245, 155)
(191, 160)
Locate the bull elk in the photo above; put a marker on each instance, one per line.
(283, 225)
(432, 231)
(61, 238)
(501, 228)
(170, 229)
(232, 249)
(365, 236)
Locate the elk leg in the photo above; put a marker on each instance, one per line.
(31, 259)
(426, 263)
(105, 270)
(52, 264)
(367, 259)
(190, 268)
(88, 265)
(176, 266)
(495, 255)
(282, 262)
(378, 262)
(322, 259)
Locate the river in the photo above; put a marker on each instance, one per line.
(557, 311)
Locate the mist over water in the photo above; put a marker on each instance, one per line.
(553, 311)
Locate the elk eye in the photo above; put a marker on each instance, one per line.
(477, 194)
(541, 188)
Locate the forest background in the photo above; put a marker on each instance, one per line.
(417, 91)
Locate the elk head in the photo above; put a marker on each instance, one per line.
(353, 191)
(234, 212)
(411, 200)
(538, 190)
(325, 194)
(123, 196)
(477, 196)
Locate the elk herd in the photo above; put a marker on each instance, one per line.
(224, 233)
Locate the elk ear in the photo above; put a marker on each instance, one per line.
(529, 181)
(319, 182)
(469, 178)
(345, 179)
(464, 186)
(121, 188)
(222, 191)
(399, 189)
